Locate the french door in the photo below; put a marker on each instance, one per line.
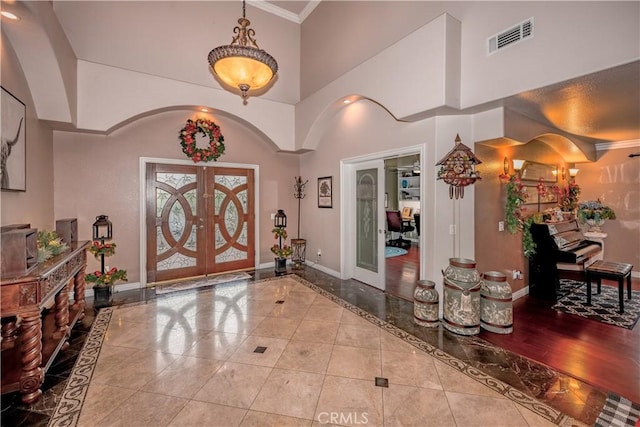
(200, 220)
(369, 223)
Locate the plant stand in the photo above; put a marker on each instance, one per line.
(281, 266)
(102, 296)
(299, 252)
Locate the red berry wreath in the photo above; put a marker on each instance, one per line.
(208, 129)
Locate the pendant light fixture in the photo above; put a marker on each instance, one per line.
(242, 63)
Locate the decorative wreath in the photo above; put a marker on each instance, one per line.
(206, 128)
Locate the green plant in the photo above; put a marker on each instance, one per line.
(595, 210)
(106, 249)
(106, 279)
(278, 249)
(568, 196)
(513, 205)
(49, 245)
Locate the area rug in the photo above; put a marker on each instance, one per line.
(67, 412)
(604, 306)
(618, 412)
(390, 251)
(201, 282)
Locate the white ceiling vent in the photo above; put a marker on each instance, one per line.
(523, 30)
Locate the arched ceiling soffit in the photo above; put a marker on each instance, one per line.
(42, 70)
(566, 148)
(191, 109)
(322, 120)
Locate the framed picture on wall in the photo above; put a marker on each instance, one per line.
(13, 153)
(325, 192)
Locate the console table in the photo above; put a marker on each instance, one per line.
(37, 318)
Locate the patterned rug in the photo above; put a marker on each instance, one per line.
(618, 412)
(68, 410)
(604, 306)
(390, 251)
(201, 282)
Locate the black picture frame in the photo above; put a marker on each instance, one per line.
(13, 160)
(325, 192)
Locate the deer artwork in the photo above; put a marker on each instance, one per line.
(5, 152)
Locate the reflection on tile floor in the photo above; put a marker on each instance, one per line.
(189, 358)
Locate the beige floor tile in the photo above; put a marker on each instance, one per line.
(245, 352)
(305, 356)
(129, 335)
(184, 377)
(135, 371)
(178, 341)
(289, 310)
(208, 414)
(290, 393)
(238, 324)
(413, 406)
(324, 313)
(235, 384)
(100, 400)
(414, 369)
(355, 362)
(348, 401)
(276, 327)
(216, 345)
(262, 419)
(393, 343)
(469, 410)
(316, 331)
(453, 380)
(349, 318)
(322, 301)
(260, 308)
(367, 336)
(144, 409)
(302, 299)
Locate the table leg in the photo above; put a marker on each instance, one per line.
(78, 292)
(629, 286)
(9, 332)
(621, 294)
(32, 375)
(599, 280)
(588, 288)
(62, 312)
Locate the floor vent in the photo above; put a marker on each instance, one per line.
(522, 31)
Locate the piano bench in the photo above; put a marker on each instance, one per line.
(610, 270)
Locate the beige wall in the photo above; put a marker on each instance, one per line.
(96, 174)
(614, 178)
(35, 206)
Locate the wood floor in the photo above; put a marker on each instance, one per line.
(604, 356)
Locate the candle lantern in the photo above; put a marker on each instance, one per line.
(102, 228)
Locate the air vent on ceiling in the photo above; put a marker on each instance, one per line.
(511, 36)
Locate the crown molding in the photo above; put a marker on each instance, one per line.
(614, 145)
(275, 10)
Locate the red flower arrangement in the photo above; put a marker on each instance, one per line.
(106, 249)
(106, 279)
(208, 129)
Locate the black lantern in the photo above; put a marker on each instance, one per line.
(280, 219)
(102, 228)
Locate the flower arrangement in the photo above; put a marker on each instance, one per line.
(49, 245)
(595, 210)
(515, 216)
(106, 279)
(279, 251)
(97, 248)
(568, 196)
(210, 130)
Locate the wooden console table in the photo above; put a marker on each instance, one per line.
(32, 334)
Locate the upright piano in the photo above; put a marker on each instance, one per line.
(560, 246)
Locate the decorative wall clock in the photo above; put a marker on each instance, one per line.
(457, 169)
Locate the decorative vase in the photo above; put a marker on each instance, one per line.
(496, 303)
(461, 305)
(426, 304)
(567, 216)
(102, 296)
(594, 225)
(281, 266)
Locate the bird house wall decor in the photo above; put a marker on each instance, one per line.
(458, 169)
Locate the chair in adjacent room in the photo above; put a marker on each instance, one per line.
(395, 224)
(416, 220)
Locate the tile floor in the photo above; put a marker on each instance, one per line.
(171, 357)
(191, 360)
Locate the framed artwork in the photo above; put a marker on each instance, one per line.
(13, 151)
(532, 195)
(407, 212)
(325, 192)
(534, 171)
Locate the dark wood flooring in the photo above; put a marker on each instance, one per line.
(607, 357)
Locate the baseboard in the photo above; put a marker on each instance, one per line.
(324, 269)
(520, 293)
(635, 274)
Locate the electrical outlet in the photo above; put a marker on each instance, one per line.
(516, 274)
(273, 216)
(452, 229)
(319, 252)
(500, 225)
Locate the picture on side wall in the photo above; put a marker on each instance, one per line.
(13, 151)
(325, 190)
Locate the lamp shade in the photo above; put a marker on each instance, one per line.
(517, 164)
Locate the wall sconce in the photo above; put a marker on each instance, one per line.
(573, 172)
(517, 164)
(505, 166)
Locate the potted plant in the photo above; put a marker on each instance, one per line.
(49, 245)
(594, 213)
(102, 284)
(568, 198)
(280, 250)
